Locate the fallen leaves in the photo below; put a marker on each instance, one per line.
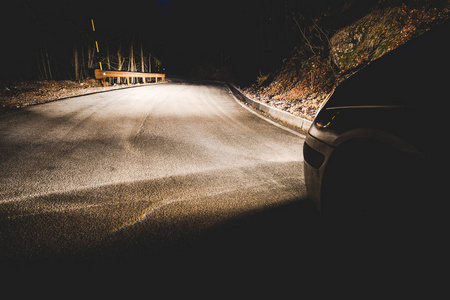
(17, 94)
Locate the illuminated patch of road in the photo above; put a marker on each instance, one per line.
(160, 160)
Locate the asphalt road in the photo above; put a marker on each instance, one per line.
(163, 167)
(180, 183)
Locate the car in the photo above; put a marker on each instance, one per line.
(369, 151)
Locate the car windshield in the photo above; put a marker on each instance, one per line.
(413, 74)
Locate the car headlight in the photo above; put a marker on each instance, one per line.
(324, 102)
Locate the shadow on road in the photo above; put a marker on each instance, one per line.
(286, 243)
(288, 238)
(282, 245)
(257, 239)
(266, 237)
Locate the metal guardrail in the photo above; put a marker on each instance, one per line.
(102, 75)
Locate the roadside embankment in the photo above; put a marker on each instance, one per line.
(18, 94)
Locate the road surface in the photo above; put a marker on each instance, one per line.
(157, 166)
(174, 185)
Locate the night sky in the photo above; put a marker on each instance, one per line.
(248, 36)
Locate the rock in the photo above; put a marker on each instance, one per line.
(344, 42)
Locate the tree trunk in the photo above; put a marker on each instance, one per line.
(44, 66)
(119, 58)
(149, 62)
(107, 57)
(142, 59)
(83, 65)
(76, 64)
(131, 63)
(90, 57)
(38, 63)
(48, 64)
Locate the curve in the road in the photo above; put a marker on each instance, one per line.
(167, 159)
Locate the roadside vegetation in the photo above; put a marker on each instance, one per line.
(18, 94)
(327, 57)
(291, 54)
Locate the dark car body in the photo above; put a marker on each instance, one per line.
(369, 146)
